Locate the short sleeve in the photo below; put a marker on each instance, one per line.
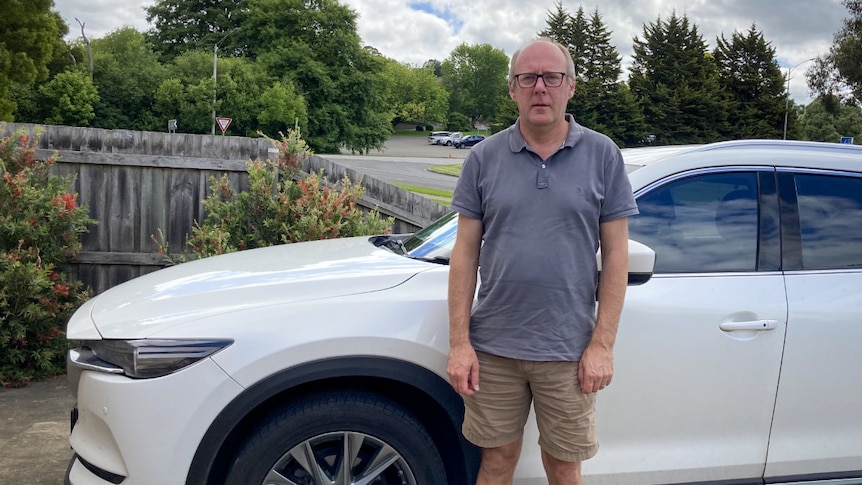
(467, 198)
(619, 200)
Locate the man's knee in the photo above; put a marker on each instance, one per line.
(501, 461)
(561, 472)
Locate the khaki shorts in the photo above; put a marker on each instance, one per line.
(495, 416)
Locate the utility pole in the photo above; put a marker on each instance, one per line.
(215, 77)
(787, 99)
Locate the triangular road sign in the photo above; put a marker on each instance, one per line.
(223, 123)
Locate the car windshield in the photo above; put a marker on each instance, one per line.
(434, 242)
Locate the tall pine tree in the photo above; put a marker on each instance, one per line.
(601, 101)
(750, 76)
(675, 80)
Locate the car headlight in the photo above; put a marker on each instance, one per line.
(143, 358)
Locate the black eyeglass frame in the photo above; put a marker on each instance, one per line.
(517, 78)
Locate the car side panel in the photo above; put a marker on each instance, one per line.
(818, 414)
(690, 402)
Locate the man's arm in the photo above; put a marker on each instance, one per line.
(463, 367)
(597, 363)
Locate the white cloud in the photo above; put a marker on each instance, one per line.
(798, 29)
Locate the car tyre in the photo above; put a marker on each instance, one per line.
(307, 442)
(449, 143)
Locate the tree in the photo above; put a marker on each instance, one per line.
(839, 73)
(242, 85)
(570, 31)
(475, 76)
(283, 109)
(820, 124)
(71, 97)
(29, 34)
(675, 80)
(414, 94)
(601, 101)
(126, 72)
(187, 93)
(30, 107)
(183, 25)
(314, 44)
(434, 66)
(752, 79)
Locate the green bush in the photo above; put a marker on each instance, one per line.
(458, 122)
(279, 207)
(40, 228)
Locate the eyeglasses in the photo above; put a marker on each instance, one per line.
(529, 79)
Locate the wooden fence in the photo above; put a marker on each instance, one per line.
(137, 183)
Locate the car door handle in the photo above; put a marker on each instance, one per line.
(755, 325)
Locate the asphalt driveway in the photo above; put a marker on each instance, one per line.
(34, 437)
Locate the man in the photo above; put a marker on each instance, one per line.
(534, 201)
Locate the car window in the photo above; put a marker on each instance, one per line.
(830, 219)
(700, 223)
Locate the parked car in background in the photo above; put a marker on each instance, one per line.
(737, 359)
(451, 139)
(435, 137)
(469, 141)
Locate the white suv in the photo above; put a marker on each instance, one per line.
(451, 139)
(435, 137)
(317, 363)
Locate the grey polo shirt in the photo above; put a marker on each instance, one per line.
(538, 272)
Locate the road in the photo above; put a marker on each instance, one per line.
(406, 160)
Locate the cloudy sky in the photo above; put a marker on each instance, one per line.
(414, 31)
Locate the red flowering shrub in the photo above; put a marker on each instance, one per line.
(278, 209)
(40, 228)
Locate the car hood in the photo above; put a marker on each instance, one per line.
(234, 282)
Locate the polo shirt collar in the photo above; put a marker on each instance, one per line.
(517, 142)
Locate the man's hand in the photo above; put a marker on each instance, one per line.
(596, 368)
(463, 369)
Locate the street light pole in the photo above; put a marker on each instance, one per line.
(787, 97)
(215, 77)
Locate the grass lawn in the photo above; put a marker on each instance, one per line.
(443, 197)
(453, 169)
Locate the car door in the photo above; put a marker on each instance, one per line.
(699, 346)
(817, 428)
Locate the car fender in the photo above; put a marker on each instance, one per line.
(433, 398)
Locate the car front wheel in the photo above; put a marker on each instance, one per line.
(339, 438)
(449, 143)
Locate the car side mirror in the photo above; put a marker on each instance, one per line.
(641, 263)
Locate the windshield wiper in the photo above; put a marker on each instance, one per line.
(435, 259)
(394, 244)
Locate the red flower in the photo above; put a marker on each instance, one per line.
(61, 289)
(66, 202)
